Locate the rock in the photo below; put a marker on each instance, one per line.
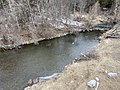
(65, 33)
(112, 74)
(73, 43)
(35, 80)
(30, 82)
(97, 79)
(28, 88)
(36, 43)
(19, 47)
(92, 83)
(75, 60)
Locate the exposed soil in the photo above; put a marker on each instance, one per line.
(75, 77)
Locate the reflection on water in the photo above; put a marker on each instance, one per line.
(18, 66)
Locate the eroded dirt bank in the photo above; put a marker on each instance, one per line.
(75, 76)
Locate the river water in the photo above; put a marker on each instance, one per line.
(50, 56)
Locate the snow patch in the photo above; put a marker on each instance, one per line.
(112, 74)
(71, 22)
(58, 26)
(48, 77)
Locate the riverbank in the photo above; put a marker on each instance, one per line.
(14, 39)
(50, 56)
(75, 77)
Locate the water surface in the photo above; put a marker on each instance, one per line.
(18, 66)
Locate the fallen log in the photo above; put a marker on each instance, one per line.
(112, 36)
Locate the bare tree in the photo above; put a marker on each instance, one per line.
(117, 11)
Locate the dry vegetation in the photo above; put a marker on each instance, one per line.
(28, 21)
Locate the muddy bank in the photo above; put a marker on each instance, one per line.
(75, 77)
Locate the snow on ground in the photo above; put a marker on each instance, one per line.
(58, 26)
(71, 22)
(63, 22)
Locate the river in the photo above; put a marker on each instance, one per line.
(50, 56)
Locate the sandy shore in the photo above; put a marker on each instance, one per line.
(75, 77)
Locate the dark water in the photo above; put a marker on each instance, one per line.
(18, 66)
